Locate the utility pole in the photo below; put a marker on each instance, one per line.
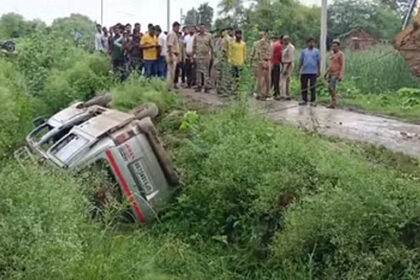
(168, 23)
(102, 12)
(323, 41)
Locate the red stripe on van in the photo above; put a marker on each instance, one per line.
(125, 187)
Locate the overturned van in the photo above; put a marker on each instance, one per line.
(86, 133)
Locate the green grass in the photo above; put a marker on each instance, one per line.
(378, 71)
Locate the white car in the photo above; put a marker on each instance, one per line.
(85, 134)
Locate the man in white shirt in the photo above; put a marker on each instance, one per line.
(189, 60)
(161, 63)
(98, 39)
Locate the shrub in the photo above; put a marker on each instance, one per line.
(138, 90)
(41, 227)
(79, 82)
(320, 209)
(16, 109)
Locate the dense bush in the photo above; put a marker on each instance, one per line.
(137, 90)
(16, 108)
(330, 212)
(81, 81)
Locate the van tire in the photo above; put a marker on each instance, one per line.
(150, 110)
(101, 100)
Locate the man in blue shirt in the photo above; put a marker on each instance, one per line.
(309, 70)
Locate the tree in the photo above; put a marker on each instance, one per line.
(192, 17)
(206, 14)
(69, 27)
(401, 6)
(14, 26)
(235, 10)
(377, 19)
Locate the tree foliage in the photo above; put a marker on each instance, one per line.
(192, 17)
(206, 13)
(203, 14)
(15, 26)
(300, 21)
(400, 6)
(68, 27)
(377, 19)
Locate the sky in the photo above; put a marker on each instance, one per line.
(124, 11)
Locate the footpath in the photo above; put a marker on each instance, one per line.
(395, 135)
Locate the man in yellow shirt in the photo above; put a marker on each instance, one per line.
(150, 46)
(237, 56)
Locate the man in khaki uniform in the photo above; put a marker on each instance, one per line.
(288, 61)
(262, 60)
(254, 64)
(225, 71)
(172, 54)
(203, 51)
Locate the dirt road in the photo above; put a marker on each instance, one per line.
(395, 135)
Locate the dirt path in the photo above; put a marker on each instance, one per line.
(395, 135)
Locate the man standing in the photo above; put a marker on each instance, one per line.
(161, 62)
(288, 63)
(226, 41)
(111, 40)
(172, 56)
(335, 72)
(180, 67)
(203, 51)
(225, 67)
(309, 70)
(189, 60)
(276, 66)
(237, 57)
(135, 52)
(105, 40)
(117, 52)
(98, 39)
(254, 64)
(149, 44)
(263, 55)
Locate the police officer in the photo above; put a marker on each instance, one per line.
(203, 52)
(262, 60)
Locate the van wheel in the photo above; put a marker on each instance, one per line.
(101, 100)
(146, 110)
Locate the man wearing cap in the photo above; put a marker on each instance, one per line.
(288, 62)
(172, 55)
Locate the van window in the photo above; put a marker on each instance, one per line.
(69, 147)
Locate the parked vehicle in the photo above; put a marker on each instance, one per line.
(89, 133)
(8, 46)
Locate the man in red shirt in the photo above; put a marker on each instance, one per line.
(276, 66)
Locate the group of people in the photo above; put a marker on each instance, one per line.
(273, 64)
(206, 62)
